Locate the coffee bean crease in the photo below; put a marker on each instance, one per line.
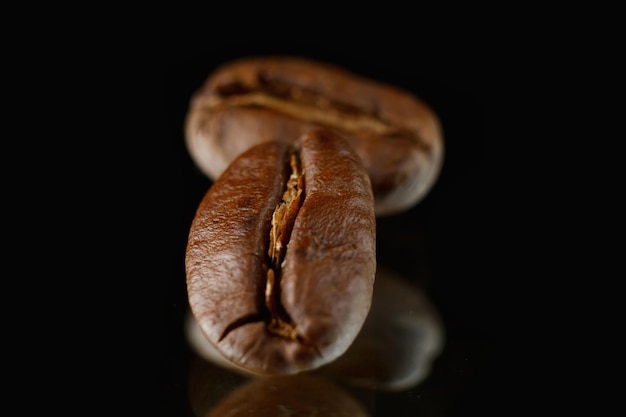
(283, 280)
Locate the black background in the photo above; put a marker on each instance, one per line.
(444, 244)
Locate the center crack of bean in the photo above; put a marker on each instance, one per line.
(318, 110)
(283, 219)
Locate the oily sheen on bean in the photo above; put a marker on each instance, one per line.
(276, 98)
(281, 255)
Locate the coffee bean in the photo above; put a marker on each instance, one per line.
(259, 99)
(281, 255)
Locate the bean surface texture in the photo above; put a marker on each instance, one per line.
(281, 255)
(276, 98)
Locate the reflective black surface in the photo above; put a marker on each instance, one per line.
(440, 245)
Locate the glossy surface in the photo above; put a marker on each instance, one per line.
(436, 245)
(274, 311)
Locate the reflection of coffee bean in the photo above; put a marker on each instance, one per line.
(292, 395)
(402, 336)
(207, 384)
(400, 340)
(281, 255)
(254, 100)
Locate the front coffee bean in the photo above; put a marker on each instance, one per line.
(252, 100)
(281, 255)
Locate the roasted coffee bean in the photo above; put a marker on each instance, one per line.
(277, 98)
(281, 255)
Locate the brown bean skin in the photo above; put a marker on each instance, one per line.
(275, 98)
(326, 277)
